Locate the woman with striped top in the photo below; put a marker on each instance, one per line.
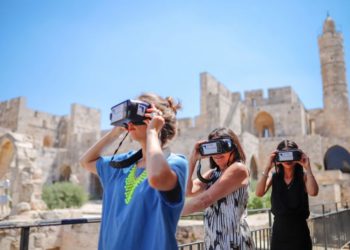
(222, 192)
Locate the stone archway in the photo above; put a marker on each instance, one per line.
(337, 157)
(7, 152)
(264, 125)
(6, 155)
(253, 168)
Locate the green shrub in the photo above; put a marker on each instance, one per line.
(256, 202)
(64, 195)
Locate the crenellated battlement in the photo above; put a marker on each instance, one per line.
(280, 95)
(10, 111)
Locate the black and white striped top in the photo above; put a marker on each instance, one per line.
(224, 221)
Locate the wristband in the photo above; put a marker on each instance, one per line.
(263, 174)
(309, 173)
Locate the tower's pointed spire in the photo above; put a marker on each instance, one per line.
(328, 25)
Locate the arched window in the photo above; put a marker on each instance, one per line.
(253, 102)
(264, 125)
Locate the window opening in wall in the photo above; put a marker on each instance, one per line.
(264, 125)
(254, 102)
(312, 126)
(337, 158)
(65, 173)
(266, 132)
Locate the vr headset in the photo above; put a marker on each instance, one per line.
(121, 114)
(288, 155)
(216, 146)
(128, 111)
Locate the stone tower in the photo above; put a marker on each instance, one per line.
(335, 93)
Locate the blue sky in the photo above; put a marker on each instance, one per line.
(99, 53)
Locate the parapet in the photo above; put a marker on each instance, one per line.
(84, 119)
(254, 97)
(282, 95)
(10, 111)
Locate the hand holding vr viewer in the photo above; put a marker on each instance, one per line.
(288, 155)
(134, 111)
(216, 146)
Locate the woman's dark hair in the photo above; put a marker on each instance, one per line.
(285, 145)
(237, 150)
(169, 109)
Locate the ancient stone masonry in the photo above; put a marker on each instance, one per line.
(335, 93)
(38, 148)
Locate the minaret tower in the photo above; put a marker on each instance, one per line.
(335, 93)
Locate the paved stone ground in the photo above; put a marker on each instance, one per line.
(92, 209)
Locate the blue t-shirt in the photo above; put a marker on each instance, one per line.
(149, 220)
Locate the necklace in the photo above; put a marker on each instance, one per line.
(131, 183)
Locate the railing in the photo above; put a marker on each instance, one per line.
(261, 238)
(198, 245)
(25, 227)
(330, 229)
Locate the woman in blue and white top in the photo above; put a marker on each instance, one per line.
(222, 192)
